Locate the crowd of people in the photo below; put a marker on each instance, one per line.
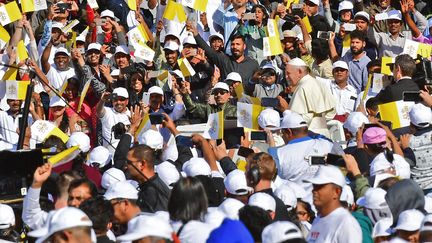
(109, 90)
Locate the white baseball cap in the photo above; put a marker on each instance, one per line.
(168, 173)
(61, 219)
(362, 14)
(297, 62)
(287, 195)
(178, 73)
(410, 220)
(234, 76)
(151, 138)
(155, 90)
(81, 38)
(94, 46)
(374, 198)
(58, 25)
(328, 174)
(62, 50)
(231, 207)
(99, 155)
(112, 176)
(263, 200)
(420, 115)
(316, 2)
(171, 45)
(354, 121)
(189, 40)
(221, 85)
(292, 120)
(382, 228)
(340, 64)
(121, 189)
(121, 92)
(345, 5)
(196, 166)
(427, 223)
(79, 139)
(394, 14)
(236, 184)
(147, 225)
(289, 34)
(269, 118)
(280, 231)
(347, 195)
(7, 216)
(122, 49)
(107, 13)
(216, 35)
(57, 101)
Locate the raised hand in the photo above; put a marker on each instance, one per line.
(41, 174)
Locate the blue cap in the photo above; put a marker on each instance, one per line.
(230, 231)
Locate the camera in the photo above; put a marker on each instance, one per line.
(63, 7)
(118, 129)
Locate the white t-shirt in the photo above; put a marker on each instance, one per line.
(8, 130)
(56, 78)
(110, 118)
(337, 227)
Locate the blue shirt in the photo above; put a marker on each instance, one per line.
(228, 20)
(358, 73)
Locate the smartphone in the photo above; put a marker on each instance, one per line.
(146, 98)
(412, 96)
(193, 52)
(113, 96)
(81, 50)
(427, 66)
(349, 27)
(63, 7)
(106, 61)
(336, 160)
(297, 9)
(245, 152)
(232, 136)
(249, 16)
(269, 102)
(260, 136)
(317, 160)
(323, 35)
(156, 118)
(100, 22)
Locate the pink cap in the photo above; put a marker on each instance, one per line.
(374, 135)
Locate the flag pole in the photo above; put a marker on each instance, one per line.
(23, 124)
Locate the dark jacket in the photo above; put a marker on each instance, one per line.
(203, 110)
(281, 213)
(395, 91)
(226, 63)
(103, 239)
(153, 195)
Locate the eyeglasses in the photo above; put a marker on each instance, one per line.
(339, 70)
(220, 91)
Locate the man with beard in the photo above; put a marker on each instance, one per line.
(117, 116)
(237, 62)
(356, 58)
(60, 71)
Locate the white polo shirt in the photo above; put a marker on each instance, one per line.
(56, 77)
(337, 227)
(110, 118)
(345, 97)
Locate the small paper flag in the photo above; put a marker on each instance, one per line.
(174, 11)
(397, 112)
(83, 95)
(247, 115)
(33, 5)
(215, 126)
(9, 13)
(64, 156)
(16, 90)
(200, 5)
(185, 67)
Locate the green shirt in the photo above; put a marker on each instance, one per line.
(203, 110)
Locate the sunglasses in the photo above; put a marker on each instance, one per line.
(220, 91)
(120, 99)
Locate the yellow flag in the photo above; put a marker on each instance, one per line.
(42, 129)
(307, 23)
(10, 74)
(33, 5)
(70, 43)
(83, 95)
(239, 91)
(247, 115)
(163, 75)
(366, 90)
(185, 67)
(16, 90)
(22, 54)
(385, 69)
(241, 164)
(346, 44)
(9, 13)
(215, 126)
(63, 87)
(414, 48)
(64, 156)
(397, 112)
(272, 45)
(144, 126)
(132, 4)
(174, 11)
(200, 5)
(4, 37)
(289, 2)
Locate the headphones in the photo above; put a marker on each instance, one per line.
(253, 176)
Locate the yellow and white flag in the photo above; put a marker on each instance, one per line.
(215, 126)
(132, 4)
(414, 48)
(137, 35)
(16, 90)
(42, 129)
(4, 37)
(346, 44)
(272, 45)
(185, 67)
(70, 25)
(377, 82)
(174, 11)
(33, 5)
(385, 69)
(144, 126)
(289, 2)
(83, 95)
(397, 112)
(21, 49)
(307, 23)
(11, 73)
(144, 52)
(65, 156)
(200, 5)
(9, 13)
(247, 115)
